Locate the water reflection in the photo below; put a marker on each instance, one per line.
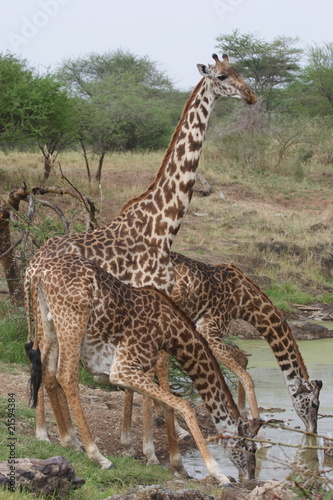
(277, 461)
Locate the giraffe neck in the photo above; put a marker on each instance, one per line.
(135, 247)
(252, 305)
(191, 350)
(167, 198)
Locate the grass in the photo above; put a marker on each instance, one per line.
(261, 205)
(258, 206)
(99, 483)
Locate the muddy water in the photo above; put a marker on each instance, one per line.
(275, 461)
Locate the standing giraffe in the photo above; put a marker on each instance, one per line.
(84, 313)
(212, 296)
(135, 247)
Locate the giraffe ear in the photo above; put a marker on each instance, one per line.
(204, 70)
(249, 428)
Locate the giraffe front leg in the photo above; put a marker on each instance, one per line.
(180, 432)
(126, 437)
(67, 377)
(162, 366)
(241, 358)
(225, 354)
(162, 372)
(41, 431)
(148, 441)
(128, 376)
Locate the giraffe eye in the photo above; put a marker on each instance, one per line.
(222, 77)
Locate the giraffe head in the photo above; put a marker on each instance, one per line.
(242, 451)
(306, 402)
(226, 81)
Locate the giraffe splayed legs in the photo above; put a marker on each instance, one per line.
(83, 313)
(135, 247)
(214, 295)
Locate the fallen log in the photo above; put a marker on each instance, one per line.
(53, 476)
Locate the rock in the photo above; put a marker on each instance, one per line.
(310, 331)
(156, 492)
(320, 226)
(329, 444)
(282, 248)
(243, 330)
(202, 187)
(54, 476)
(302, 330)
(272, 490)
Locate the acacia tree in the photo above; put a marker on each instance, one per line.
(124, 103)
(268, 66)
(320, 71)
(35, 110)
(312, 92)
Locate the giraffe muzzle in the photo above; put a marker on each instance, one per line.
(250, 97)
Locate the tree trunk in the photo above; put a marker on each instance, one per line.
(99, 168)
(8, 260)
(85, 155)
(48, 162)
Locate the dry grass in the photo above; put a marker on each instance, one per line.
(247, 212)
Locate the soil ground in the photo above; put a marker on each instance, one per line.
(104, 411)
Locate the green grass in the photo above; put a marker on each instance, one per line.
(13, 333)
(99, 483)
(284, 294)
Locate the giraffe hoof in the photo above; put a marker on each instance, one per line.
(185, 438)
(110, 466)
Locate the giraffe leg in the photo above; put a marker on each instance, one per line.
(163, 367)
(52, 389)
(49, 350)
(241, 358)
(180, 432)
(67, 377)
(41, 431)
(75, 442)
(123, 374)
(126, 437)
(162, 372)
(228, 360)
(148, 440)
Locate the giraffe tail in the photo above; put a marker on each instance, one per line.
(35, 372)
(28, 303)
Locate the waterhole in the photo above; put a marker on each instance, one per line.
(276, 461)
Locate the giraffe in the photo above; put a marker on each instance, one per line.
(85, 314)
(135, 247)
(214, 295)
(211, 296)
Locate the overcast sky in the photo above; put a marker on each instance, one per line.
(177, 34)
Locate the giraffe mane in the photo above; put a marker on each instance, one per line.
(231, 403)
(283, 320)
(167, 154)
